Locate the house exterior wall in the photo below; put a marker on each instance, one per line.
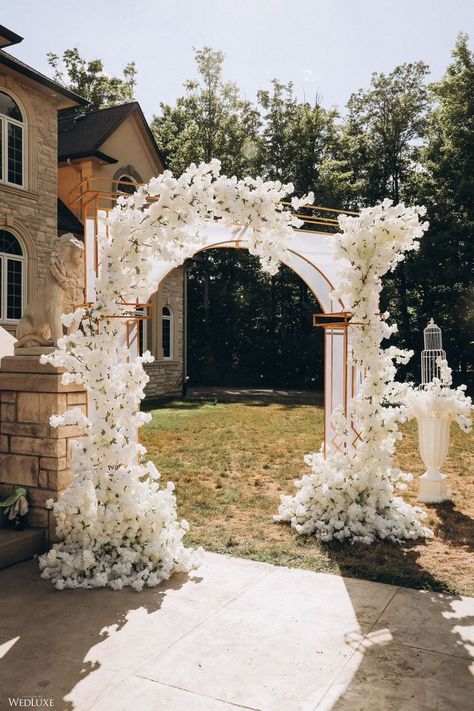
(167, 376)
(30, 213)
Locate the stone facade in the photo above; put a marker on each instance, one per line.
(30, 213)
(167, 375)
(32, 453)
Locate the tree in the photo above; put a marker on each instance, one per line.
(88, 79)
(385, 125)
(443, 280)
(211, 120)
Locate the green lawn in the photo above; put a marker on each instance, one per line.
(232, 461)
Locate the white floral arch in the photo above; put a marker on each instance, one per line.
(118, 527)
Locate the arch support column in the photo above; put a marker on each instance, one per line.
(340, 380)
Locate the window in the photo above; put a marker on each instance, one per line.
(12, 142)
(12, 263)
(167, 332)
(126, 185)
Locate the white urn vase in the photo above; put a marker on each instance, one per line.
(433, 440)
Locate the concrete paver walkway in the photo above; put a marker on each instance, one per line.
(236, 634)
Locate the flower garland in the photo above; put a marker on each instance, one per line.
(440, 399)
(351, 495)
(117, 526)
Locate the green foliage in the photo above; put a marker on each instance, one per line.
(210, 121)
(400, 138)
(246, 328)
(88, 79)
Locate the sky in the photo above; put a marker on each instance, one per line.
(327, 48)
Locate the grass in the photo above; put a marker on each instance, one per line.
(232, 461)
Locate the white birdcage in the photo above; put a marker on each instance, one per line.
(433, 350)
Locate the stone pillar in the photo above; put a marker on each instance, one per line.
(32, 453)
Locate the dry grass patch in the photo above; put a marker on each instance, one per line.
(232, 461)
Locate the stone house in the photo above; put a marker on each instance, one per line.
(29, 105)
(59, 166)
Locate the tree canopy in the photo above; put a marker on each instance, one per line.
(400, 137)
(89, 79)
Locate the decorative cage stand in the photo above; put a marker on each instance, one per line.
(433, 431)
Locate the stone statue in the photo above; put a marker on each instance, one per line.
(61, 292)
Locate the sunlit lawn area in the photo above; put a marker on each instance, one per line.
(232, 461)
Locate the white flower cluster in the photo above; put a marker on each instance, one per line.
(439, 399)
(116, 525)
(352, 495)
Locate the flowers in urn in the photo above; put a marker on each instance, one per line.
(439, 399)
(435, 405)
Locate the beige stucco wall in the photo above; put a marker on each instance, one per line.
(130, 145)
(31, 213)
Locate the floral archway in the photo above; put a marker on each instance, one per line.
(117, 525)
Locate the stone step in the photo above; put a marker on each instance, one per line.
(16, 546)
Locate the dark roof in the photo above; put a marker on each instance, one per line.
(81, 135)
(67, 221)
(8, 37)
(27, 71)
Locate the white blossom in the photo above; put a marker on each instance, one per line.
(117, 525)
(352, 495)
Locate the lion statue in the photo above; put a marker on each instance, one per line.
(61, 292)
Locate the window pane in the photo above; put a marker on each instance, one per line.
(9, 243)
(166, 337)
(126, 185)
(10, 108)
(14, 288)
(166, 311)
(1, 149)
(15, 154)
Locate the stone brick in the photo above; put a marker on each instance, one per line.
(20, 470)
(59, 480)
(79, 398)
(38, 517)
(3, 443)
(52, 534)
(7, 412)
(39, 497)
(67, 431)
(27, 429)
(43, 479)
(39, 384)
(55, 463)
(6, 396)
(28, 364)
(30, 445)
(38, 407)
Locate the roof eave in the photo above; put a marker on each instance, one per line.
(87, 154)
(27, 71)
(8, 37)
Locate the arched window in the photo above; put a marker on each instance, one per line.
(12, 285)
(12, 141)
(126, 185)
(167, 332)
